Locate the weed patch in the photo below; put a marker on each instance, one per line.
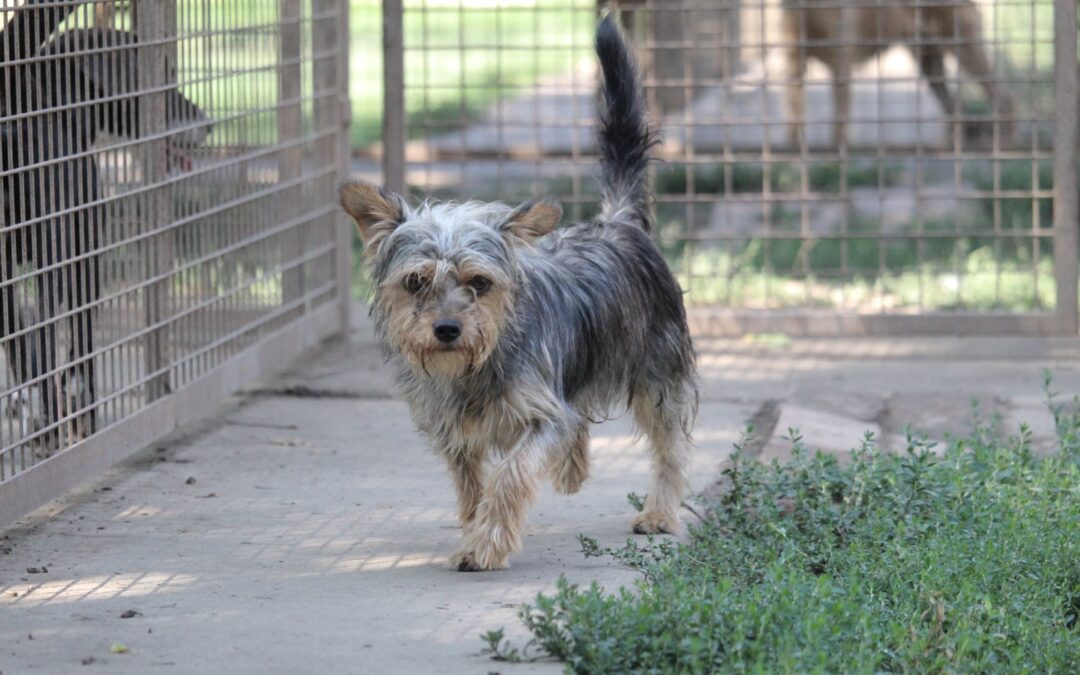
(957, 559)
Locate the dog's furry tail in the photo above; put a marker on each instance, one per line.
(624, 137)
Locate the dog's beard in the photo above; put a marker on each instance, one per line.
(433, 359)
(450, 363)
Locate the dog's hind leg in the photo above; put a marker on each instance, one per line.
(14, 348)
(932, 67)
(663, 414)
(45, 352)
(570, 465)
(18, 351)
(83, 291)
(841, 90)
(971, 56)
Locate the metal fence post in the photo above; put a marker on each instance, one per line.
(344, 225)
(330, 39)
(1065, 171)
(289, 129)
(393, 96)
(155, 26)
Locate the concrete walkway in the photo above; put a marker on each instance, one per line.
(307, 528)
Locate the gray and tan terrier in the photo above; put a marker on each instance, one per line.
(508, 336)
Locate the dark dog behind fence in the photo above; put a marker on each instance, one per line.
(60, 93)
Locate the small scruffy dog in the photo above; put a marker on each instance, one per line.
(509, 336)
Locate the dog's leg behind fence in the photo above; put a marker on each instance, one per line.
(932, 67)
(17, 349)
(42, 359)
(792, 22)
(83, 291)
(972, 59)
(84, 294)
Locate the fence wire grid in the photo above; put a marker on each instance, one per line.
(167, 176)
(871, 165)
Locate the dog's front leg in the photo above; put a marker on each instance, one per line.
(842, 67)
(468, 472)
(511, 487)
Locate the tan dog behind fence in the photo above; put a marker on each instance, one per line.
(842, 37)
(105, 13)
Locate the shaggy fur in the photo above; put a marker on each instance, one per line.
(508, 336)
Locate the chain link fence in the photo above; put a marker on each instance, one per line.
(828, 166)
(169, 229)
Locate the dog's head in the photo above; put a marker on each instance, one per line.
(445, 275)
(107, 62)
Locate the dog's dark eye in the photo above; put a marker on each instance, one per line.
(414, 283)
(480, 284)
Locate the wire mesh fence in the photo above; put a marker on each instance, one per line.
(167, 176)
(827, 164)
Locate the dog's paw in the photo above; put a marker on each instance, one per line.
(652, 522)
(466, 560)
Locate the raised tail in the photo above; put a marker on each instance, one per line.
(624, 137)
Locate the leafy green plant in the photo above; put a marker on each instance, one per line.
(961, 558)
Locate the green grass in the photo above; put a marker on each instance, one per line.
(1025, 32)
(715, 277)
(459, 61)
(968, 280)
(934, 560)
(972, 272)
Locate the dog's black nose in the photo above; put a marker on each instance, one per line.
(447, 330)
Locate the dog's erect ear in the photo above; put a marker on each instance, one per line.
(533, 219)
(377, 212)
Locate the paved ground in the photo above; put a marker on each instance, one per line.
(745, 113)
(307, 528)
